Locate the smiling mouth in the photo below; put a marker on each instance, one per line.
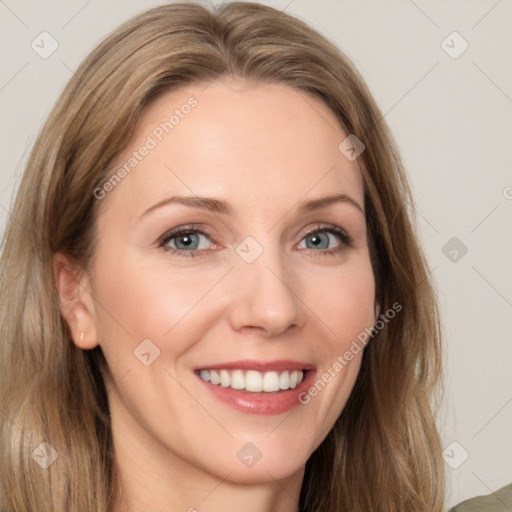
(253, 381)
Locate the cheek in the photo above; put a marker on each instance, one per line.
(163, 304)
(345, 303)
(345, 306)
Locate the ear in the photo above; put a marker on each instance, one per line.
(75, 300)
(377, 311)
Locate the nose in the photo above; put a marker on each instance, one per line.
(265, 296)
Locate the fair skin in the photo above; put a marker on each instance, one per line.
(265, 150)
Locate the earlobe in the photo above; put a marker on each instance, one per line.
(75, 301)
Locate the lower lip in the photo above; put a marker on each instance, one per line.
(264, 403)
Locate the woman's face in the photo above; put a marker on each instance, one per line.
(244, 293)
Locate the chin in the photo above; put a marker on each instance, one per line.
(261, 460)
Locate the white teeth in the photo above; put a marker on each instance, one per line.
(271, 381)
(205, 375)
(214, 377)
(237, 380)
(252, 380)
(284, 380)
(225, 379)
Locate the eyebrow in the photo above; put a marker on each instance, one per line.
(221, 206)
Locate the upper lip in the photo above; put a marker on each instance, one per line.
(263, 366)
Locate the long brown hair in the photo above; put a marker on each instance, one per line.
(383, 453)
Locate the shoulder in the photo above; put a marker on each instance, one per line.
(499, 501)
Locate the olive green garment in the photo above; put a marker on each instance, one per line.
(499, 501)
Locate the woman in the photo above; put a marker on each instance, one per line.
(259, 369)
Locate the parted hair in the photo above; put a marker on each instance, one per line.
(383, 454)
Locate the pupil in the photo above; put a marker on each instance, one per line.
(185, 240)
(316, 240)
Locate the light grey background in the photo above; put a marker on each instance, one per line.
(452, 120)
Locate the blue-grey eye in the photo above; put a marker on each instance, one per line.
(320, 239)
(186, 241)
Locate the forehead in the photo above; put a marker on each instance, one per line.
(256, 143)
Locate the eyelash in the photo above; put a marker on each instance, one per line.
(347, 241)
